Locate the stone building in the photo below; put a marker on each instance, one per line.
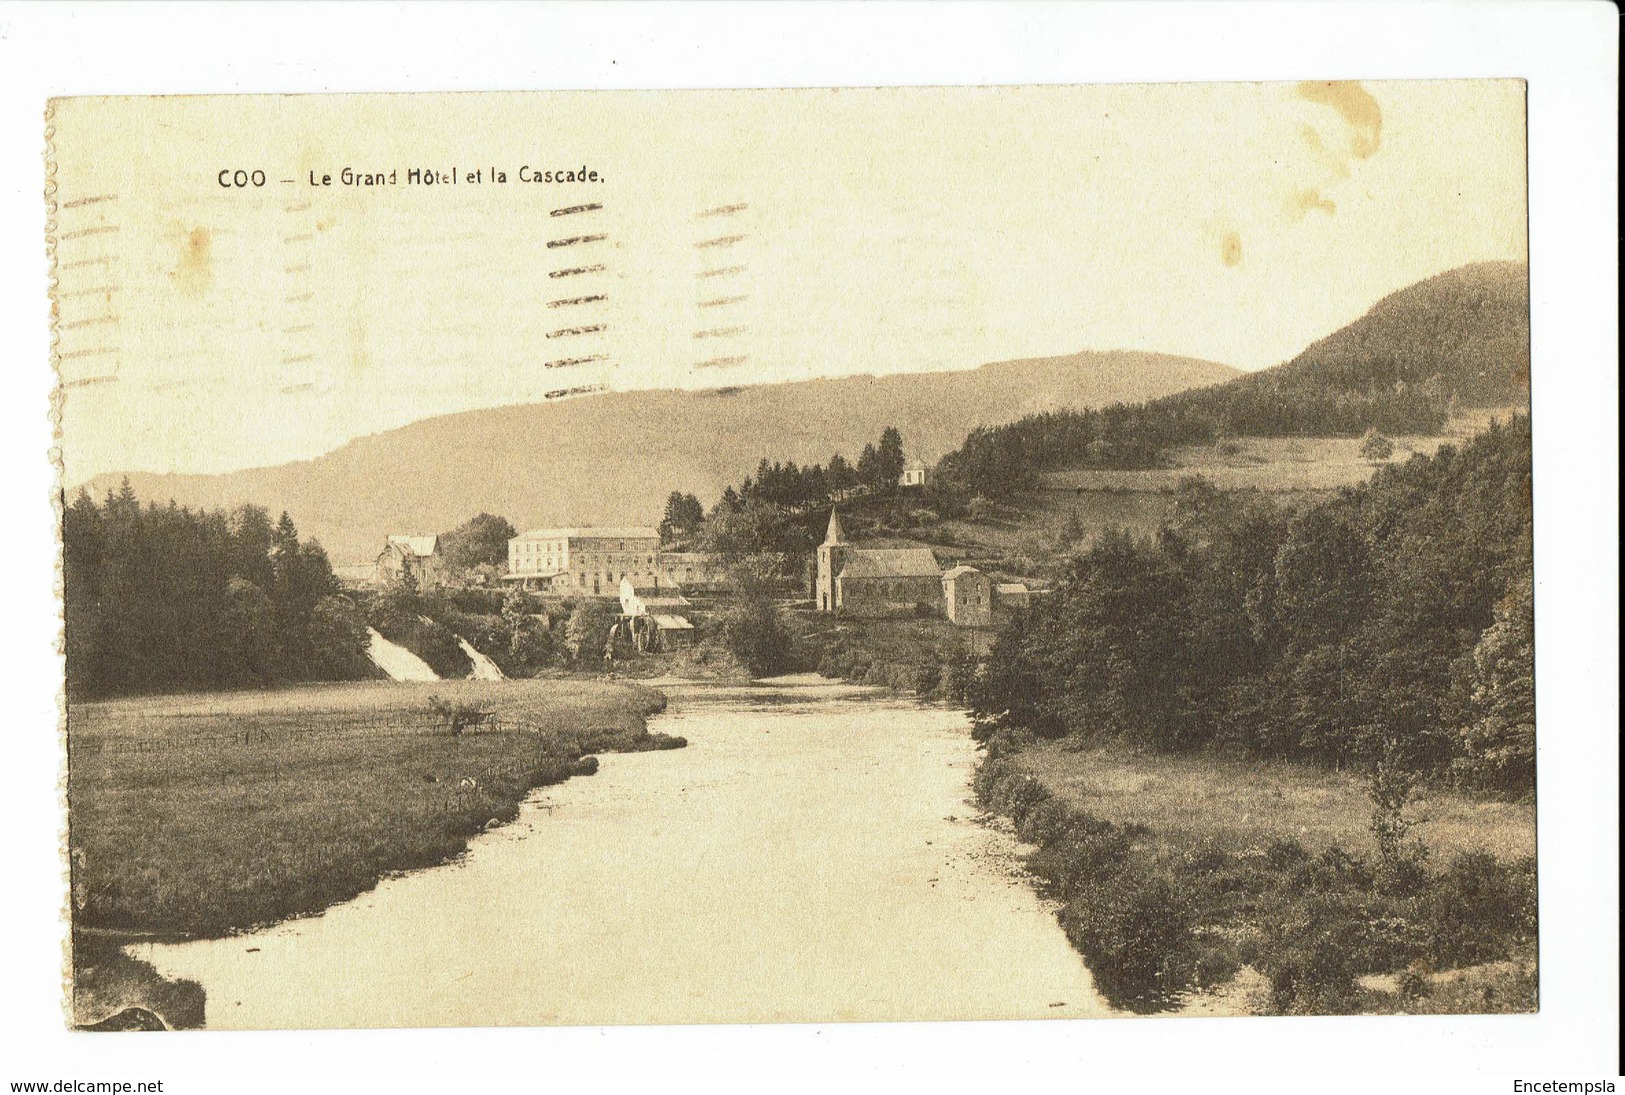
(874, 581)
(417, 557)
(583, 561)
(699, 571)
(968, 596)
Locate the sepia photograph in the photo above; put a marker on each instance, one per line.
(796, 555)
(961, 546)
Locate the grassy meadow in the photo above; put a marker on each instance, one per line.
(205, 814)
(1210, 885)
(1243, 803)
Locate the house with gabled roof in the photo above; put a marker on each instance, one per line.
(414, 556)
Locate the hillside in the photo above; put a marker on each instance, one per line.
(614, 458)
(1460, 339)
(1468, 326)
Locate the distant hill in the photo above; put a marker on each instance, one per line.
(1468, 326)
(612, 459)
(1461, 335)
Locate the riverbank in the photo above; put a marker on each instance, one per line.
(206, 814)
(1214, 885)
(808, 858)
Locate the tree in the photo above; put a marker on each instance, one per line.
(869, 474)
(338, 639)
(683, 517)
(585, 630)
(482, 540)
(750, 628)
(841, 476)
(530, 644)
(889, 458)
(164, 597)
(1375, 447)
(251, 640)
(1498, 742)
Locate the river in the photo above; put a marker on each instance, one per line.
(811, 856)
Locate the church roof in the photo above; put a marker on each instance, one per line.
(835, 535)
(891, 563)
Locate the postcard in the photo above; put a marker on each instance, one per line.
(939, 553)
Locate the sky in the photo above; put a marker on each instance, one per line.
(728, 238)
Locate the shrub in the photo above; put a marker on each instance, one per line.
(1042, 821)
(1413, 984)
(456, 717)
(1375, 447)
(1476, 909)
(1285, 855)
(1332, 871)
(1137, 933)
(926, 676)
(1316, 946)
(1086, 852)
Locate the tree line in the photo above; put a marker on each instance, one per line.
(794, 488)
(161, 598)
(1275, 403)
(774, 512)
(1391, 623)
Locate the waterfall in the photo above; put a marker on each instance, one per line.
(484, 668)
(397, 661)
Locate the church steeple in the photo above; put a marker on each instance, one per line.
(835, 535)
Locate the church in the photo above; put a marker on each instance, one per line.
(858, 581)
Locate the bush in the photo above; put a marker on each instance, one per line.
(1086, 852)
(1477, 908)
(1138, 935)
(1413, 984)
(1375, 447)
(752, 630)
(456, 717)
(1332, 871)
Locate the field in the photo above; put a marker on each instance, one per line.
(1212, 885)
(205, 814)
(1246, 804)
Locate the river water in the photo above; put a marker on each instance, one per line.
(811, 856)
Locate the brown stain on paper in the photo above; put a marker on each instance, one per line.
(1230, 249)
(1311, 200)
(1358, 108)
(194, 270)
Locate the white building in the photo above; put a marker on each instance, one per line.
(583, 561)
(642, 599)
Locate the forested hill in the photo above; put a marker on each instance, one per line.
(1469, 327)
(1394, 622)
(1458, 339)
(613, 459)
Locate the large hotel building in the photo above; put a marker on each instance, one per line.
(587, 561)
